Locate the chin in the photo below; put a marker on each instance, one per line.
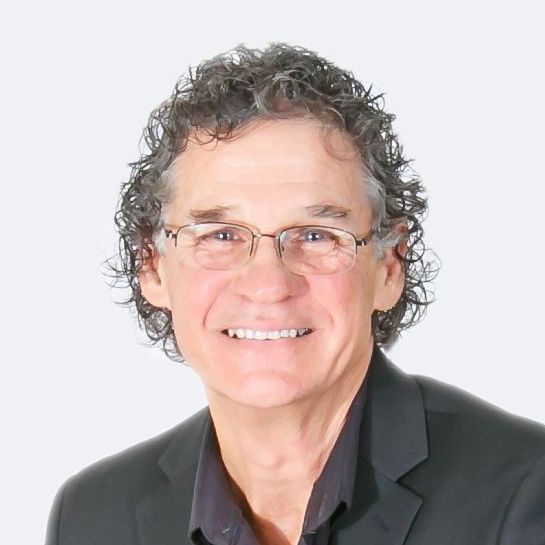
(264, 392)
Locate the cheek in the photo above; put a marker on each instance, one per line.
(347, 297)
(192, 293)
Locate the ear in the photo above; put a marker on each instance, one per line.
(391, 275)
(152, 279)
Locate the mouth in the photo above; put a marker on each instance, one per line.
(266, 335)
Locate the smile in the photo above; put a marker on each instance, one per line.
(271, 335)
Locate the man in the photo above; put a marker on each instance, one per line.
(272, 239)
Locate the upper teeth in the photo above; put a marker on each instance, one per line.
(257, 335)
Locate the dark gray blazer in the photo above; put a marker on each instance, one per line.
(436, 467)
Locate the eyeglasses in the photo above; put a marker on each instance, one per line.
(304, 249)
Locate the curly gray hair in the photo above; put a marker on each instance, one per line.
(230, 90)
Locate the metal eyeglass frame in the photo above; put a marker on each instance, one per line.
(256, 234)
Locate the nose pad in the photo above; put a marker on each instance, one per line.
(276, 243)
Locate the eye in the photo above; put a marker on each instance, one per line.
(218, 236)
(224, 235)
(313, 236)
(221, 235)
(316, 236)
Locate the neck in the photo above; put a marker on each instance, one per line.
(273, 456)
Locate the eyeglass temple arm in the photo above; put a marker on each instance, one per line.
(365, 240)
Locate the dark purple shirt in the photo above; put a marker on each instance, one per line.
(216, 519)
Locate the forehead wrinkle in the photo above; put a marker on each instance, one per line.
(256, 151)
(200, 180)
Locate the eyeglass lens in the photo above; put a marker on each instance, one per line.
(304, 250)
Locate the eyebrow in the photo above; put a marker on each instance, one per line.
(220, 212)
(216, 213)
(327, 210)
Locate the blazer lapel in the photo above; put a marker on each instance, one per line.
(163, 514)
(393, 440)
(382, 512)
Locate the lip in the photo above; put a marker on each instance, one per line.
(263, 327)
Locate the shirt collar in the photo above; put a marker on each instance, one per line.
(335, 485)
(213, 511)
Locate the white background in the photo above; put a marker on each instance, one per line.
(78, 81)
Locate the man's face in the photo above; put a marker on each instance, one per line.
(270, 177)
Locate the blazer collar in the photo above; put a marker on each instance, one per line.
(393, 436)
(393, 440)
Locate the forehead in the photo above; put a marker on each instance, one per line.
(269, 164)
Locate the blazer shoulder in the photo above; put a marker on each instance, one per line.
(452, 405)
(100, 499)
(136, 466)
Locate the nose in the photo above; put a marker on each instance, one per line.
(264, 279)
